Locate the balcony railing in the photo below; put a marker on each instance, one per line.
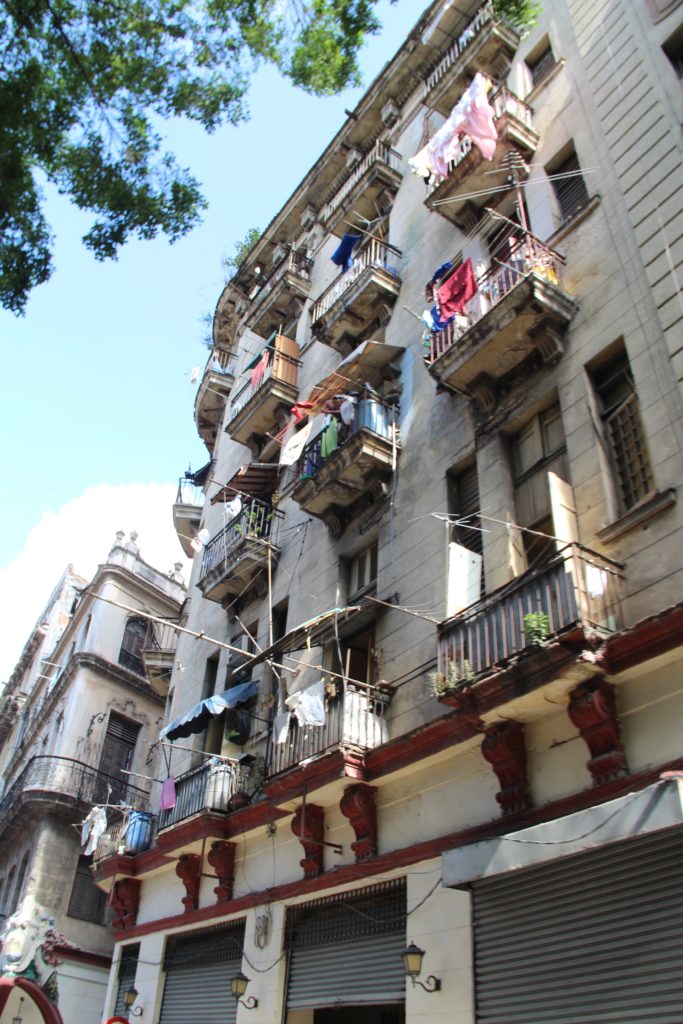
(281, 368)
(467, 47)
(47, 777)
(380, 153)
(294, 263)
(369, 414)
(257, 521)
(355, 718)
(210, 787)
(526, 255)
(577, 589)
(375, 254)
(189, 493)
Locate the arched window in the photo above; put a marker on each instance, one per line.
(6, 894)
(132, 644)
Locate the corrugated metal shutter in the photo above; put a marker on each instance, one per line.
(199, 966)
(366, 970)
(347, 950)
(594, 938)
(200, 994)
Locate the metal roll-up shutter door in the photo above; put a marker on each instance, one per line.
(347, 949)
(594, 938)
(199, 966)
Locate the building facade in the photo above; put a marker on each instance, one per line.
(79, 719)
(428, 689)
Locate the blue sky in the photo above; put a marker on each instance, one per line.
(96, 385)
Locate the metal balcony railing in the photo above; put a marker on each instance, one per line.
(373, 254)
(65, 777)
(354, 718)
(210, 787)
(526, 255)
(221, 361)
(189, 493)
(380, 153)
(460, 45)
(257, 521)
(369, 413)
(161, 638)
(291, 263)
(280, 368)
(577, 588)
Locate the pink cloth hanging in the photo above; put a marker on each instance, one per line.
(259, 370)
(167, 799)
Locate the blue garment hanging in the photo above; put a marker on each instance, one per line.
(343, 254)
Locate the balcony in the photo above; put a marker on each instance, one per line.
(354, 718)
(517, 316)
(209, 404)
(256, 406)
(235, 557)
(470, 179)
(281, 296)
(486, 45)
(187, 513)
(332, 485)
(578, 590)
(215, 788)
(158, 655)
(63, 782)
(360, 299)
(361, 188)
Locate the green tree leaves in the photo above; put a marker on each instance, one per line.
(83, 83)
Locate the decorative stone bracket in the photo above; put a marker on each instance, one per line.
(504, 748)
(189, 871)
(308, 825)
(593, 710)
(221, 857)
(125, 899)
(359, 805)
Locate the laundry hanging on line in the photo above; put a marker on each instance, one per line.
(92, 829)
(472, 116)
(292, 449)
(259, 370)
(343, 254)
(453, 296)
(329, 440)
(309, 705)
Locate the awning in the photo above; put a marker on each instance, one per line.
(656, 807)
(316, 631)
(255, 480)
(197, 718)
(364, 364)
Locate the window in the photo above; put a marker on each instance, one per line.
(540, 61)
(87, 902)
(568, 184)
(128, 966)
(463, 503)
(673, 49)
(111, 785)
(132, 644)
(624, 434)
(6, 906)
(538, 448)
(363, 572)
(360, 658)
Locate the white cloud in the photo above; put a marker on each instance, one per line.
(82, 533)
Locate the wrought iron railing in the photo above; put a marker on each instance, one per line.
(354, 718)
(67, 778)
(256, 521)
(459, 45)
(291, 263)
(526, 255)
(189, 493)
(577, 588)
(161, 638)
(210, 787)
(280, 368)
(373, 254)
(369, 413)
(380, 153)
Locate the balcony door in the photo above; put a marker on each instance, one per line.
(117, 755)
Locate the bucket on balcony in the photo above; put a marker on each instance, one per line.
(373, 415)
(139, 832)
(219, 789)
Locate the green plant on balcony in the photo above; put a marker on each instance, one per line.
(254, 523)
(441, 683)
(536, 628)
(521, 14)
